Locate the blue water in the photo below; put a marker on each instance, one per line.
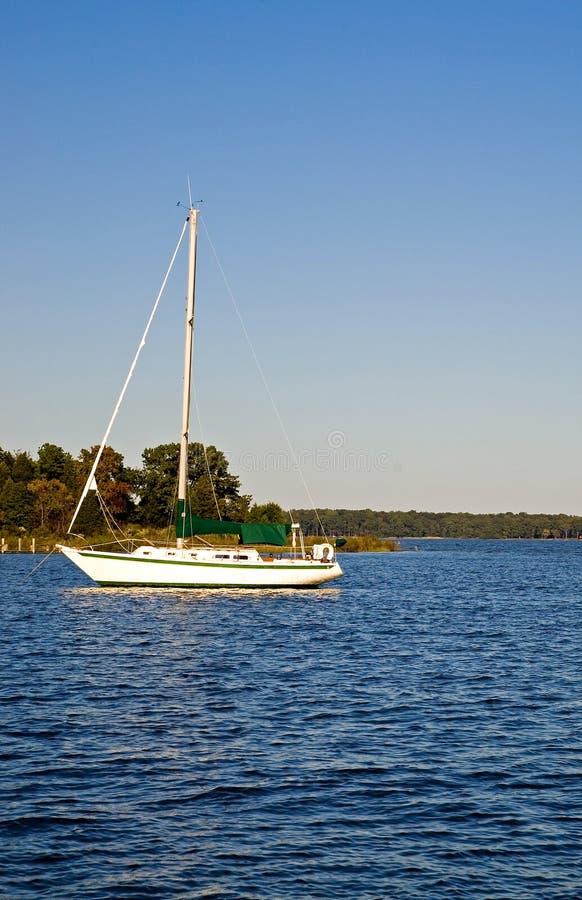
(413, 731)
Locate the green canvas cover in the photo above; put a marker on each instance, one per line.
(187, 524)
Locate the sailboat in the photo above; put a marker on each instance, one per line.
(192, 561)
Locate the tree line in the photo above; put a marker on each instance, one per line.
(413, 524)
(39, 495)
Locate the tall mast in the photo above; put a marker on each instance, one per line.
(188, 343)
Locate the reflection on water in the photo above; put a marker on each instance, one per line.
(164, 594)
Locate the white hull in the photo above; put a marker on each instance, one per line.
(168, 567)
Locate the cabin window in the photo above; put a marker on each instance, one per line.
(241, 557)
(222, 556)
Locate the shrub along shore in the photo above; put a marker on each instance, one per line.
(46, 544)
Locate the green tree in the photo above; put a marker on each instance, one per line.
(54, 503)
(267, 512)
(23, 468)
(5, 470)
(156, 484)
(55, 463)
(16, 505)
(6, 463)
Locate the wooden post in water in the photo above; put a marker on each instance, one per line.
(33, 545)
(20, 545)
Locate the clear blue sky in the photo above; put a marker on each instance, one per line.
(395, 193)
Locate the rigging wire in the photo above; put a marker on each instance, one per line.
(264, 380)
(141, 345)
(210, 478)
(111, 521)
(37, 567)
(171, 511)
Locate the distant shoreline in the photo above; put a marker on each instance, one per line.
(431, 526)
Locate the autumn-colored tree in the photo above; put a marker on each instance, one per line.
(114, 487)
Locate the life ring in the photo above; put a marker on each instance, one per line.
(323, 552)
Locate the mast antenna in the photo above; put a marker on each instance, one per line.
(189, 191)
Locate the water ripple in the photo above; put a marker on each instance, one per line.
(412, 732)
